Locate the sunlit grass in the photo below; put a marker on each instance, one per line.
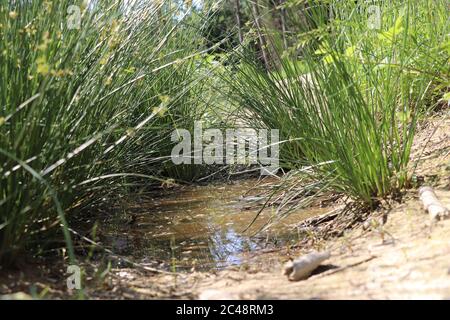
(348, 111)
(85, 113)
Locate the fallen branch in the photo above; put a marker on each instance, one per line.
(431, 203)
(314, 221)
(302, 267)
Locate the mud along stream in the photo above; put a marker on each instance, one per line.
(199, 227)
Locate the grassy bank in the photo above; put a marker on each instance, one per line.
(347, 95)
(89, 95)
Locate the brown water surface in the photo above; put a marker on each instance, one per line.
(200, 227)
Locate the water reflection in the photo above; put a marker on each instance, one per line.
(196, 227)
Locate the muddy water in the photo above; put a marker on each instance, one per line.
(200, 227)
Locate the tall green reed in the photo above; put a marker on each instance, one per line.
(85, 112)
(347, 111)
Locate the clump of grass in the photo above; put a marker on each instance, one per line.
(349, 120)
(85, 111)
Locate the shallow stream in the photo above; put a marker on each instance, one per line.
(200, 227)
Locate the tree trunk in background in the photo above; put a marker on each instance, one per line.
(237, 12)
(278, 14)
(261, 39)
(283, 23)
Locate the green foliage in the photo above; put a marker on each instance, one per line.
(220, 25)
(351, 118)
(85, 113)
